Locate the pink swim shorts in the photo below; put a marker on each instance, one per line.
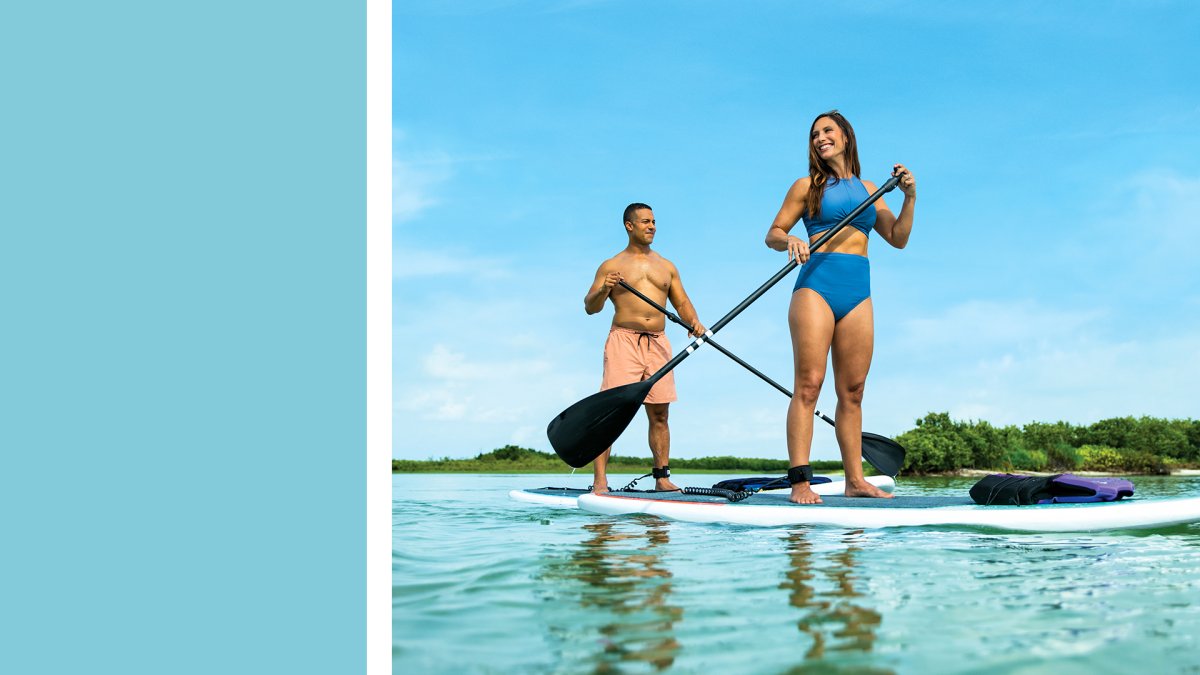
(632, 356)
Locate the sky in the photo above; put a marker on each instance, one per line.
(1051, 273)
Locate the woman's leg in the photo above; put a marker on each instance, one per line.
(811, 324)
(852, 348)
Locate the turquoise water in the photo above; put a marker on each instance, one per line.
(483, 584)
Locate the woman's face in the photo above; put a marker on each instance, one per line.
(827, 138)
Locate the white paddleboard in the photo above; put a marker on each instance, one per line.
(568, 498)
(856, 512)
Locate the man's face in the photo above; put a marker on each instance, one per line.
(641, 228)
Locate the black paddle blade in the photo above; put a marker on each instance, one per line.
(883, 453)
(582, 432)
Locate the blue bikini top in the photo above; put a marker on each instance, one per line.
(840, 198)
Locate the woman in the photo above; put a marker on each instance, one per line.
(831, 303)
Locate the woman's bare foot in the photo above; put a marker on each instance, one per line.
(802, 494)
(664, 485)
(865, 489)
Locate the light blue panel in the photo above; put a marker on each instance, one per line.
(182, 242)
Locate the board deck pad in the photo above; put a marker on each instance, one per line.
(764, 498)
(780, 499)
(568, 497)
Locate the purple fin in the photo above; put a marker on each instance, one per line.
(1069, 488)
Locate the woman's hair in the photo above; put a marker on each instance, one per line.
(819, 170)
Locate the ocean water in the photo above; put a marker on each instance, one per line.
(483, 584)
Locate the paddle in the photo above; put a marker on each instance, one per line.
(583, 431)
(883, 453)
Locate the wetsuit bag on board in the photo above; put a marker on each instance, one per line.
(1009, 489)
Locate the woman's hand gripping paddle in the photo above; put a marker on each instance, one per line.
(583, 431)
(886, 455)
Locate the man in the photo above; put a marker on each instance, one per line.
(637, 346)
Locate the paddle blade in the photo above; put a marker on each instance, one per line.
(883, 453)
(582, 432)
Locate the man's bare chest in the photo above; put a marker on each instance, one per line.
(646, 277)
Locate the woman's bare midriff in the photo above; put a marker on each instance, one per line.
(849, 240)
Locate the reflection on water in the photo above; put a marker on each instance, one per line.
(627, 588)
(834, 618)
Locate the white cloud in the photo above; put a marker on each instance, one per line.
(528, 435)
(467, 401)
(418, 176)
(1166, 203)
(1012, 363)
(414, 186)
(410, 262)
(443, 404)
(987, 325)
(444, 363)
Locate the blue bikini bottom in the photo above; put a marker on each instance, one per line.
(842, 279)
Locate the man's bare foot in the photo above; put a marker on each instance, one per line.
(865, 489)
(600, 487)
(664, 485)
(802, 494)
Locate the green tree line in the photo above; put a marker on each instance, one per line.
(515, 459)
(1116, 445)
(938, 444)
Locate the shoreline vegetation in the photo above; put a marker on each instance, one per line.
(937, 445)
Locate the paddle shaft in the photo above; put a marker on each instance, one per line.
(675, 318)
(791, 265)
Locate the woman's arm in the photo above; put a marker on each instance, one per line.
(894, 229)
(789, 214)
